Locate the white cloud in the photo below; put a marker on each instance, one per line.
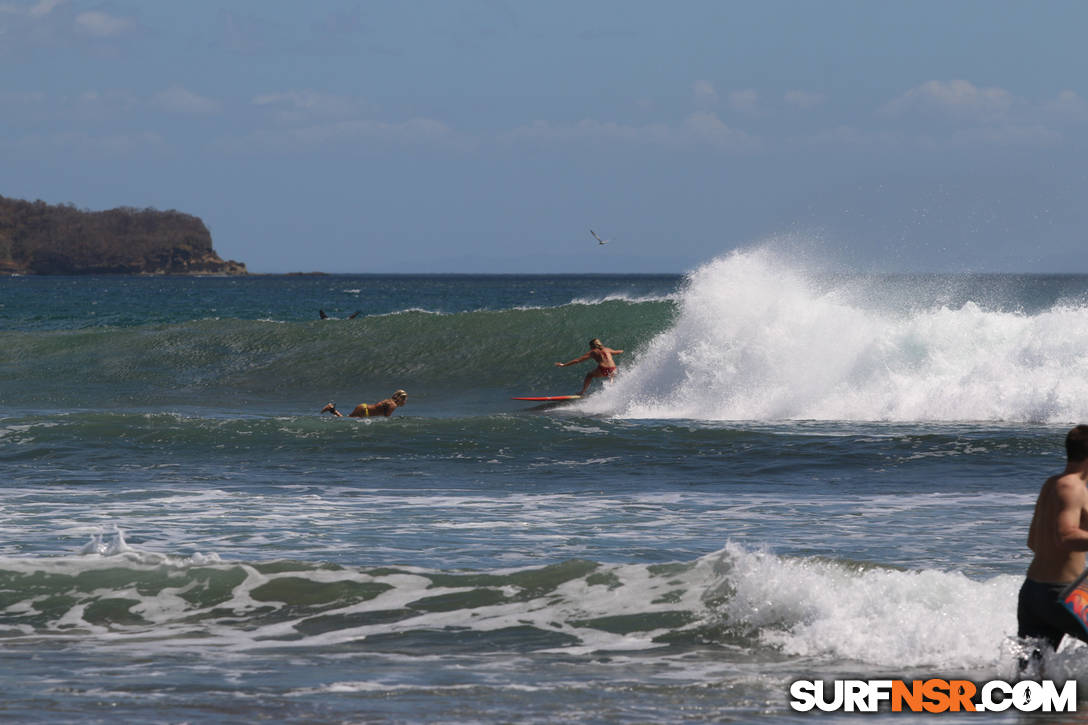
(37, 10)
(985, 117)
(1069, 106)
(44, 7)
(744, 101)
(315, 120)
(15, 100)
(803, 99)
(705, 93)
(706, 128)
(956, 99)
(87, 145)
(66, 110)
(1004, 136)
(101, 25)
(998, 136)
(180, 100)
(697, 130)
(105, 104)
(588, 130)
(366, 133)
(307, 105)
(850, 137)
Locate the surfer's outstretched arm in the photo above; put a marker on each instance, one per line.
(575, 361)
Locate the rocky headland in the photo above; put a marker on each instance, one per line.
(40, 238)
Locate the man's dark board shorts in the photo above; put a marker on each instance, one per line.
(1039, 613)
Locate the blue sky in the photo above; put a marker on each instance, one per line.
(490, 136)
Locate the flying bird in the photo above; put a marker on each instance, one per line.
(599, 240)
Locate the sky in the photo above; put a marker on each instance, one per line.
(490, 136)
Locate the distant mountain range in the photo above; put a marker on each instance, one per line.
(40, 238)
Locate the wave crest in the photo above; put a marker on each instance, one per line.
(756, 338)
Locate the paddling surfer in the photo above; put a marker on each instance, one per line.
(1058, 536)
(606, 366)
(364, 410)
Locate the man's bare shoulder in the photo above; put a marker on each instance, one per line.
(1068, 484)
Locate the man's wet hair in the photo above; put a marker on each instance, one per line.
(1076, 443)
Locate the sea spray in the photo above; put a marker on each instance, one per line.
(757, 339)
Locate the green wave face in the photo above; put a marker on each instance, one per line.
(484, 352)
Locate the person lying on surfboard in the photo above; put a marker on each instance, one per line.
(1058, 538)
(606, 366)
(363, 410)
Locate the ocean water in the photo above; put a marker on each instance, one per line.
(796, 475)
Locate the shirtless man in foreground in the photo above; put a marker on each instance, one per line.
(1059, 538)
(363, 410)
(606, 366)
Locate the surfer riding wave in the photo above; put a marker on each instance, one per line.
(606, 366)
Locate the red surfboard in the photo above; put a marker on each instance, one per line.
(549, 397)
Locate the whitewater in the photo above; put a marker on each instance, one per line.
(754, 339)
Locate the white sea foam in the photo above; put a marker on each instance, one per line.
(755, 338)
(19, 434)
(624, 297)
(887, 621)
(409, 311)
(880, 617)
(829, 612)
(112, 545)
